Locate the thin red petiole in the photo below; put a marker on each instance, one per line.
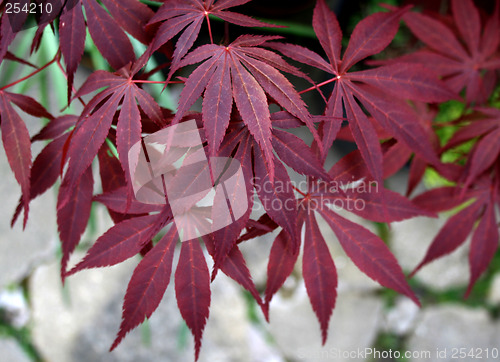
(300, 192)
(319, 85)
(209, 27)
(30, 75)
(157, 82)
(66, 76)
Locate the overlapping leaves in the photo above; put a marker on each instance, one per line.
(238, 81)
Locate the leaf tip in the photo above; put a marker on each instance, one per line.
(417, 268)
(265, 309)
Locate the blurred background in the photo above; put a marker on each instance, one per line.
(42, 320)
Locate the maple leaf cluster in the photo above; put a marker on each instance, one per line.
(388, 111)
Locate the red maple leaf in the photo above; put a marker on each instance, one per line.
(465, 56)
(382, 91)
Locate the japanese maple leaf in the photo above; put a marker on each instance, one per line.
(466, 58)
(16, 139)
(367, 251)
(291, 151)
(481, 177)
(382, 91)
(244, 72)
(94, 124)
(486, 151)
(189, 15)
(399, 153)
(478, 218)
(106, 30)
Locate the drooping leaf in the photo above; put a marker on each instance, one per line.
(369, 253)
(320, 275)
(45, 171)
(17, 145)
(192, 289)
(73, 212)
(147, 285)
(121, 242)
(452, 235)
(483, 246)
(226, 238)
(282, 260)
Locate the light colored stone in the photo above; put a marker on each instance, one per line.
(21, 251)
(14, 307)
(80, 323)
(10, 351)
(410, 240)
(494, 292)
(400, 318)
(295, 328)
(451, 327)
(61, 316)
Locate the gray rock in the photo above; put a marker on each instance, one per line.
(14, 308)
(21, 251)
(401, 318)
(494, 292)
(354, 325)
(83, 328)
(410, 240)
(12, 352)
(448, 328)
(63, 319)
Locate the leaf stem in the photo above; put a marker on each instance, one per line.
(30, 75)
(66, 76)
(318, 85)
(300, 192)
(209, 27)
(157, 82)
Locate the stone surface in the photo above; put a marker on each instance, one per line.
(400, 318)
(354, 324)
(13, 308)
(80, 323)
(449, 327)
(494, 292)
(10, 351)
(409, 242)
(21, 251)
